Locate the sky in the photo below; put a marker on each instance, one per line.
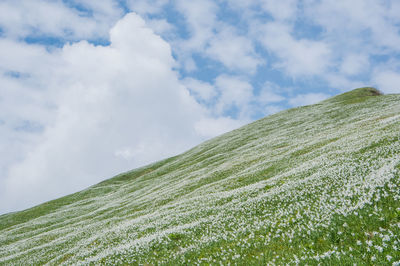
(90, 89)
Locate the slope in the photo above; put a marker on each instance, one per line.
(314, 184)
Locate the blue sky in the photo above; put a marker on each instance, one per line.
(90, 89)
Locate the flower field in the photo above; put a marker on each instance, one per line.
(309, 185)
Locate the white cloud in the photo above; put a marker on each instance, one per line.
(347, 35)
(201, 20)
(150, 11)
(21, 57)
(146, 7)
(101, 11)
(280, 10)
(354, 64)
(53, 18)
(235, 93)
(25, 94)
(234, 51)
(307, 99)
(342, 82)
(202, 90)
(387, 81)
(270, 94)
(301, 57)
(106, 109)
(160, 26)
(237, 98)
(356, 20)
(210, 37)
(241, 5)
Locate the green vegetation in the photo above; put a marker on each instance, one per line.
(312, 185)
(355, 96)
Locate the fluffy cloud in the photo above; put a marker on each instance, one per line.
(201, 18)
(238, 99)
(235, 96)
(357, 21)
(270, 94)
(298, 57)
(234, 51)
(201, 90)
(107, 109)
(280, 10)
(146, 7)
(354, 64)
(28, 18)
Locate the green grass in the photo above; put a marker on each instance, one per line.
(355, 96)
(311, 185)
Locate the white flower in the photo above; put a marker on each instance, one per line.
(379, 248)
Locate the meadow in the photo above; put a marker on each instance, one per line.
(317, 184)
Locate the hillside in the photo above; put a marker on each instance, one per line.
(313, 184)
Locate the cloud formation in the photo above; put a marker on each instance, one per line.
(108, 108)
(37, 18)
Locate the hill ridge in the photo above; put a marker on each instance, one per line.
(356, 95)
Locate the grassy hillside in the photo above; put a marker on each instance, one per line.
(314, 184)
